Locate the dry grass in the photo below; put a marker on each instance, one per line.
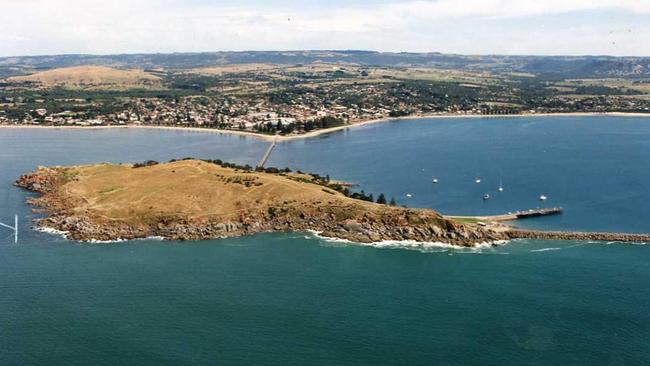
(230, 69)
(426, 74)
(642, 88)
(90, 76)
(188, 189)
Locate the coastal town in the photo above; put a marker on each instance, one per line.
(295, 99)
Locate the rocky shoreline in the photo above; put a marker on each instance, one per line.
(348, 219)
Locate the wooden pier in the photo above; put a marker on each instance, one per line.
(511, 216)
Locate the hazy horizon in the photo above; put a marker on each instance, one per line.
(320, 50)
(467, 27)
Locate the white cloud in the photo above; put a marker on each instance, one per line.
(463, 26)
(511, 8)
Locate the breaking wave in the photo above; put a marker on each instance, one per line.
(429, 247)
(64, 234)
(545, 250)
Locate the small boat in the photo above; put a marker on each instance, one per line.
(435, 180)
(486, 197)
(500, 189)
(409, 195)
(543, 198)
(478, 180)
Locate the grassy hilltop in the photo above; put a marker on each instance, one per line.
(193, 199)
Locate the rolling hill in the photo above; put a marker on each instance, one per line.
(90, 76)
(552, 66)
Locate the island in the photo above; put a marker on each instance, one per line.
(193, 199)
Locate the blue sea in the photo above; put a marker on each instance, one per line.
(296, 299)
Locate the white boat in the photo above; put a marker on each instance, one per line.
(435, 180)
(478, 180)
(543, 198)
(409, 195)
(500, 189)
(486, 197)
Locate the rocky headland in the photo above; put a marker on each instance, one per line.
(191, 200)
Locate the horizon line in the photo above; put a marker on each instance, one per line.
(322, 50)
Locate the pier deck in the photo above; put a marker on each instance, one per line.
(511, 216)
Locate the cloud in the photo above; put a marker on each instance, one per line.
(510, 8)
(463, 26)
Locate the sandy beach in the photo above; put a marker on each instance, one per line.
(314, 133)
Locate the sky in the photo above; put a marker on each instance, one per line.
(511, 27)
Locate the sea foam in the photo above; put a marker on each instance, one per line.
(414, 245)
(65, 235)
(545, 250)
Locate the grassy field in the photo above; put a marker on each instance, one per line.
(192, 190)
(91, 76)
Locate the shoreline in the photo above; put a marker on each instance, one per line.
(280, 138)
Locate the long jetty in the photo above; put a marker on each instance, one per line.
(511, 216)
(267, 154)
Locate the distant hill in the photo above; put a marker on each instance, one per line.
(90, 76)
(551, 66)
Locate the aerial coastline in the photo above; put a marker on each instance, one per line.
(388, 182)
(307, 96)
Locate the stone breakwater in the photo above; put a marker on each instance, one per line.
(575, 235)
(345, 218)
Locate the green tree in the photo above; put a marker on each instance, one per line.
(381, 199)
(393, 202)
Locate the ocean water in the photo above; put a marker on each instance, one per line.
(596, 168)
(295, 299)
